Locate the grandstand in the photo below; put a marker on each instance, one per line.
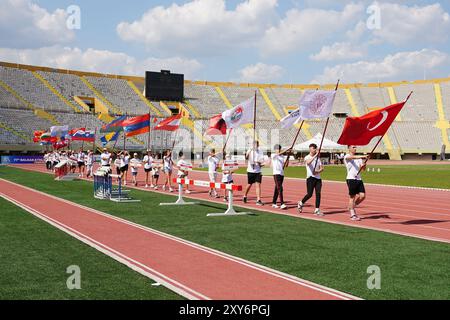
(35, 98)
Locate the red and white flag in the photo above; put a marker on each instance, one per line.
(359, 131)
(242, 114)
(169, 124)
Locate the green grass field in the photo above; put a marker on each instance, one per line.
(429, 176)
(331, 255)
(34, 257)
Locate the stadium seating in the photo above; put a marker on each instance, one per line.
(421, 129)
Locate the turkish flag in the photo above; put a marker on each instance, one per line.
(359, 131)
(217, 126)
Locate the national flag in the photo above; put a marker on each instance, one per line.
(359, 131)
(37, 135)
(60, 144)
(83, 135)
(137, 125)
(73, 131)
(316, 104)
(110, 137)
(217, 126)
(46, 136)
(59, 131)
(169, 124)
(242, 114)
(114, 126)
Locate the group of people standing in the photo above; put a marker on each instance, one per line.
(84, 161)
(154, 163)
(279, 160)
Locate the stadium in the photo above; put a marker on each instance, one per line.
(76, 225)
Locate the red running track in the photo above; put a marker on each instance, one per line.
(414, 212)
(189, 269)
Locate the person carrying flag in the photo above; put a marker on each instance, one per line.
(167, 168)
(279, 161)
(255, 158)
(89, 163)
(359, 131)
(135, 163)
(356, 190)
(314, 168)
(148, 164)
(81, 158)
(213, 162)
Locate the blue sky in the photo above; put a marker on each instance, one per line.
(265, 41)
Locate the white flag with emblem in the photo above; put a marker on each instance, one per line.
(316, 104)
(241, 114)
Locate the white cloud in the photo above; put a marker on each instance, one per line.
(399, 66)
(301, 29)
(339, 51)
(102, 61)
(25, 24)
(261, 72)
(401, 24)
(200, 26)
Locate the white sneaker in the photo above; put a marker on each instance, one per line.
(152, 186)
(146, 185)
(164, 188)
(355, 218)
(319, 213)
(156, 188)
(300, 207)
(283, 207)
(188, 191)
(275, 206)
(170, 190)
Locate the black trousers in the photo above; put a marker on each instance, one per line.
(313, 184)
(278, 192)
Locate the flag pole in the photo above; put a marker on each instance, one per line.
(254, 131)
(379, 141)
(324, 132)
(295, 141)
(149, 130)
(93, 142)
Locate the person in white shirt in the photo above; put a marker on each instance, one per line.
(55, 159)
(314, 168)
(278, 160)
(182, 173)
(47, 161)
(167, 168)
(105, 158)
(227, 175)
(156, 168)
(81, 162)
(135, 163)
(124, 165)
(89, 163)
(148, 167)
(255, 159)
(73, 160)
(356, 189)
(213, 163)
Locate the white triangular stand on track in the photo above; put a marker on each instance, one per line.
(230, 212)
(180, 201)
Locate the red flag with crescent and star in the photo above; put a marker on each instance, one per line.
(359, 131)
